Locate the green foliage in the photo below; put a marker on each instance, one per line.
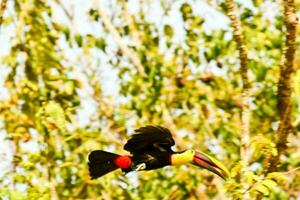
(59, 74)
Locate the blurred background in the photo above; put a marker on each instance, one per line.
(77, 76)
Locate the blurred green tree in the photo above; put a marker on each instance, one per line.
(71, 91)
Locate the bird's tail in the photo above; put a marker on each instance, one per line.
(101, 163)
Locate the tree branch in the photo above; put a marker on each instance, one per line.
(131, 23)
(284, 85)
(69, 15)
(246, 114)
(243, 55)
(124, 48)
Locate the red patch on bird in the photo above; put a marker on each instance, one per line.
(123, 162)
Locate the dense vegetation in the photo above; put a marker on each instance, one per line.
(223, 76)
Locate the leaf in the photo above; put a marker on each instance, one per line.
(79, 40)
(17, 195)
(277, 176)
(250, 177)
(236, 169)
(100, 44)
(69, 88)
(186, 11)
(262, 189)
(93, 14)
(57, 114)
(168, 31)
(269, 183)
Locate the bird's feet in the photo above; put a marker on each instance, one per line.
(139, 167)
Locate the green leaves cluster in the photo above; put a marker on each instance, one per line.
(57, 76)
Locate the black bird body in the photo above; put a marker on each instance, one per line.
(152, 159)
(150, 148)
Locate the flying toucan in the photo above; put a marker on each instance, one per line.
(150, 148)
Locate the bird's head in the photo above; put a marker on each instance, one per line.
(200, 159)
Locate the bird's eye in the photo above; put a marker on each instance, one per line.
(191, 151)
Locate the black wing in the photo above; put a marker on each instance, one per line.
(149, 137)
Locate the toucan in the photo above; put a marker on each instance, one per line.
(150, 148)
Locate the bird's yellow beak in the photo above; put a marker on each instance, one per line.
(205, 161)
(200, 159)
